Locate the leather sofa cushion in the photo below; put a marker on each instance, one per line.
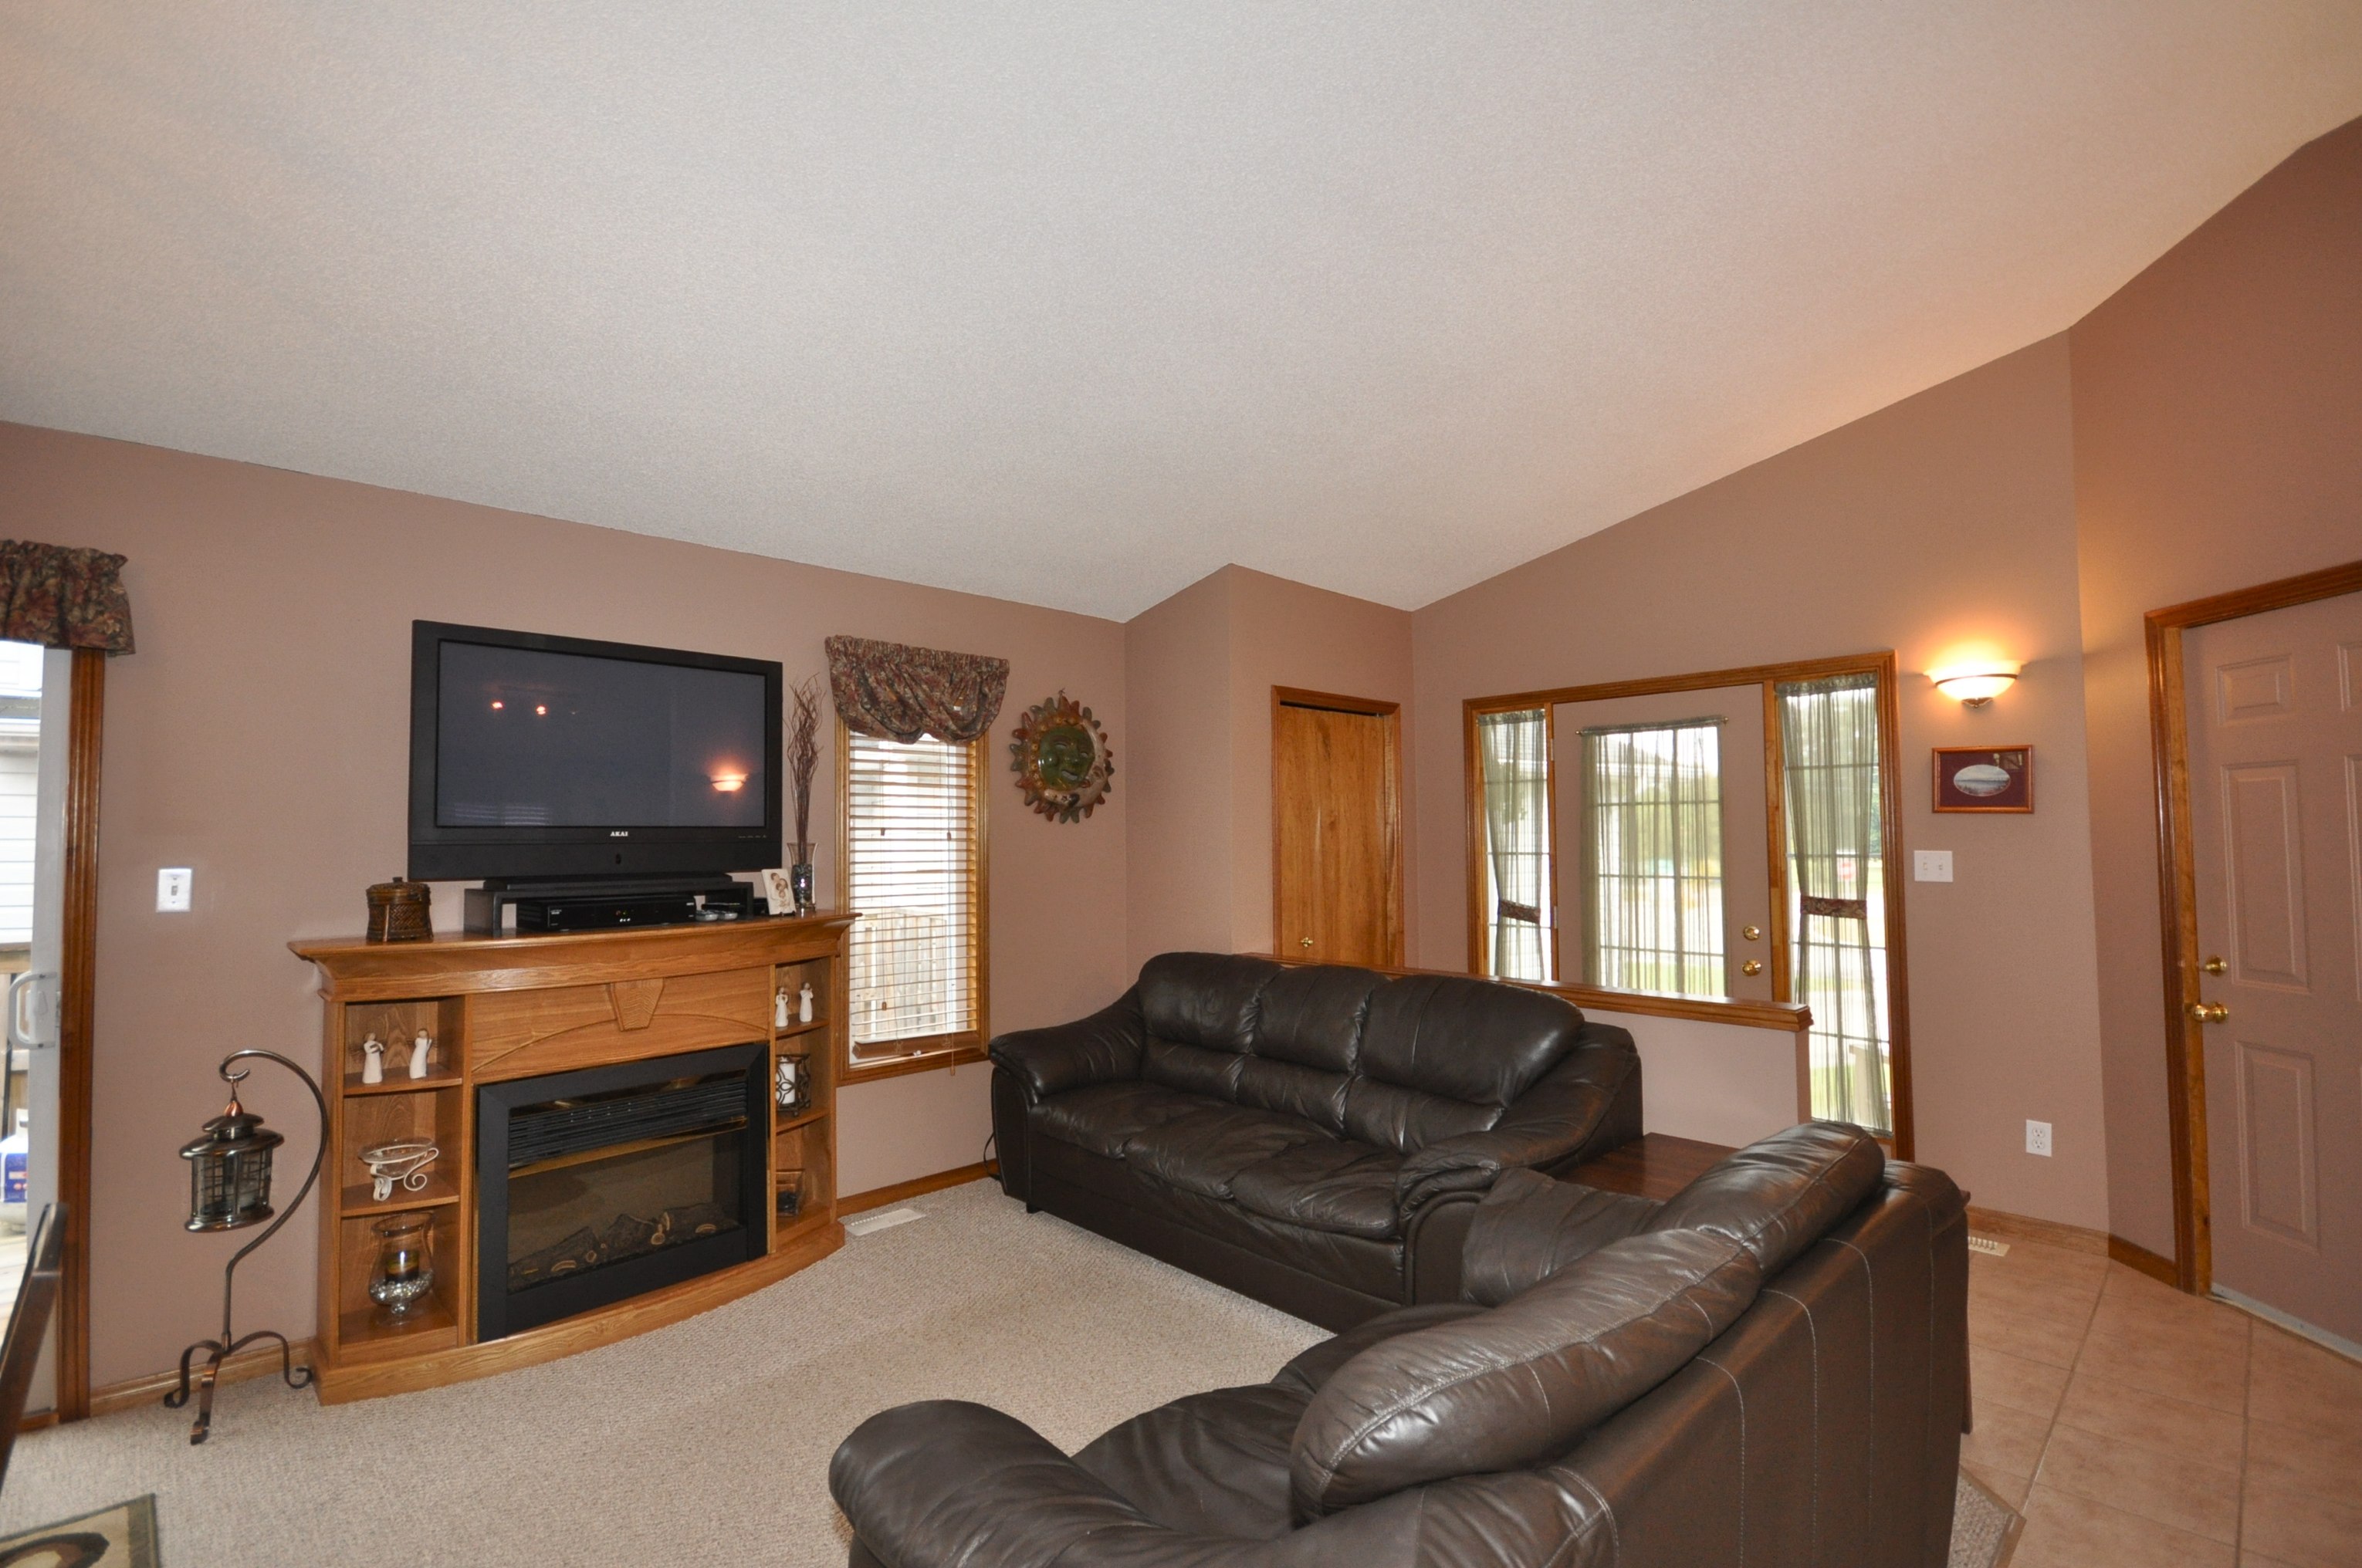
(1214, 1464)
(1407, 1120)
(1201, 1152)
(1523, 1380)
(1780, 1195)
(1209, 1000)
(1283, 1086)
(1472, 1041)
(1326, 1185)
(1313, 1017)
(1103, 1117)
(1192, 1070)
(1529, 1226)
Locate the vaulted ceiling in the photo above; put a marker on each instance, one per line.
(1074, 303)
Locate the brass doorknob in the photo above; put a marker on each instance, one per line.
(1303, 941)
(2210, 1011)
(2214, 965)
(1753, 934)
(1752, 966)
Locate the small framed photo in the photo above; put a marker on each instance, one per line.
(1984, 778)
(776, 890)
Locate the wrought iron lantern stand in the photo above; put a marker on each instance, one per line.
(230, 1188)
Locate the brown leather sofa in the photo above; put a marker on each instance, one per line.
(1770, 1370)
(1316, 1137)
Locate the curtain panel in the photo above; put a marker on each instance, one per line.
(60, 597)
(900, 693)
(1829, 734)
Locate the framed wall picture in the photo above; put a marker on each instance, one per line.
(1984, 778)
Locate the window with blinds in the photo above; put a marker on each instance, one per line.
(914, 829)
(1652, 863)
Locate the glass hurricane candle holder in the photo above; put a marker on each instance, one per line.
(404, 1271)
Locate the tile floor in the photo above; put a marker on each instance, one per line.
(2133, 1424)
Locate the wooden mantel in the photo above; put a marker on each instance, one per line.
(505, 1007)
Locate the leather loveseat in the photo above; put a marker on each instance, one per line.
(1770, 1370)
(1316, 1137)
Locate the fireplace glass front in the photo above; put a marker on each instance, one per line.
(600, 1185)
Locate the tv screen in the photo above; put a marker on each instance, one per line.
(535, 756)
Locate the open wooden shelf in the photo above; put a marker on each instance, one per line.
(793, 1030)
(803, 1224)
(800, 1118)
(356, 1202)
(435, 1326)
(403, 1083)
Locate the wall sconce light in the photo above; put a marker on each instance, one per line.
(1974, 686)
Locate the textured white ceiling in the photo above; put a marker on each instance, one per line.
(1074, 304)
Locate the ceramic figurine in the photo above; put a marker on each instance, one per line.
(803, 1004)
(418, 1049)
(780, 1010)
(372, 1061)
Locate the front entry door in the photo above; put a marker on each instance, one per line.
(2275, 726)
(1336, 830)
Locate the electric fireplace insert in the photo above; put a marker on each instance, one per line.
(596, 1186)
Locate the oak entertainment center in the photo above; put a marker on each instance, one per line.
(567, 1008)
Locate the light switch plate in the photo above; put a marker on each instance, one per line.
(172, 890)
(1931, 865)
(2037, 1139)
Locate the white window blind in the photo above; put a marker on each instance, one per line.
(1653, 811)
(911, 833)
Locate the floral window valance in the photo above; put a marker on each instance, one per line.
(901, 693)
(64, 598)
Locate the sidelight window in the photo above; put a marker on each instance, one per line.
(913, 870)
(1512, 748)
(1836, 891)
(1652, 857)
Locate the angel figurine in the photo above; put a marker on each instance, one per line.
(418, 1049)
(372, 1061)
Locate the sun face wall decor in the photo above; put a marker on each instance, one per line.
(1061, 757)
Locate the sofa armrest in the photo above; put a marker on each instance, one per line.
(948, 1482)
(1102, 1048)
(1586, 1105)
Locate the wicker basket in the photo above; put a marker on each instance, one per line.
(398, 911)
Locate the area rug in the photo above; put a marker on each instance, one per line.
(1984, 1529)
(707, 1440)
(121, 1537)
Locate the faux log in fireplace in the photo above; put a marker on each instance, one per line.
(595, 1186)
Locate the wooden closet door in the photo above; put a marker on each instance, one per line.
(1336, 831)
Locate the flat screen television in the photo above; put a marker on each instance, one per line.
(534, 758)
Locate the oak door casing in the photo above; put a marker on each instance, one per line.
(1336, 828)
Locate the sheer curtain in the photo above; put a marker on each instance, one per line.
(1652, 859)
(1512, 748)
(1836, 891)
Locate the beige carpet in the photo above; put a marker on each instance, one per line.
(705, 1442)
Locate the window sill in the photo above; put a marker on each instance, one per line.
(947, 1058)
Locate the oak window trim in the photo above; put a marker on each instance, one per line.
(1770, 677)
(924, 1053)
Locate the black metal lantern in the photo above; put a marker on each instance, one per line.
(229, 1171)
(230, 1188)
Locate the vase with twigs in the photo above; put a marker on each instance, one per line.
(803, 757)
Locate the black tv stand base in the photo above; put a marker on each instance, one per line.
(597, 906)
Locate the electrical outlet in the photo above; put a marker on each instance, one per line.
(172, 890)
(1931, 865)
(2037, 1139)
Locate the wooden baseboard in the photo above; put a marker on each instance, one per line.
(917, 1186)
(262, 1361)
(2046, 1233)
(2132, 1254)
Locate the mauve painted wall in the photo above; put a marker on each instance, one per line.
(260, 736)
(2218, 445)
(1201, 667)
(1943, 521)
